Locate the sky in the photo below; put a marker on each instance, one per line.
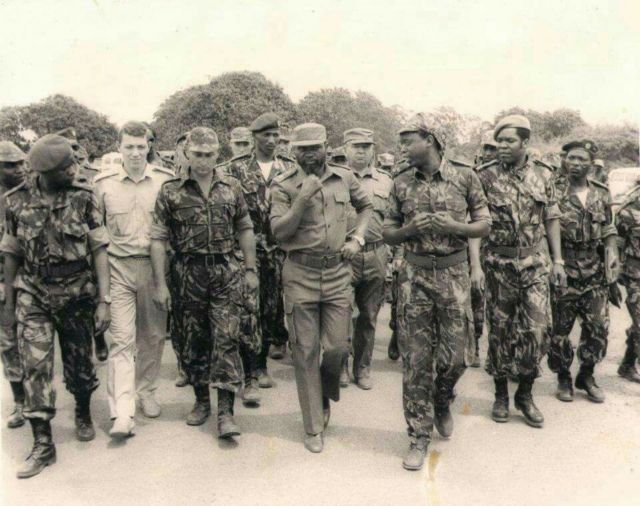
(123, 58)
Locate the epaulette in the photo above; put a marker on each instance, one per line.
(21, 186)
(487, 165)
(285, 175)
(544, 164)
(333, 164)
(105, 174)
(598, 183)
(458, 162)
(165, 170)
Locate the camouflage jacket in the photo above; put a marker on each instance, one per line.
(521, 200)
(454, 188)
(584, 228)
(195, 223)
(255, 188)
(48, 236)
(628, 225)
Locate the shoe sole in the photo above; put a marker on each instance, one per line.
(121, 434)
(531, 423)
(85, 439)
(277, 356)
(564, 399)
(15, 425)
(228, 435)
(29, 475)
(251, 403)
(500, 419)
(412, 468)
(197, 422)
(265, 385)
(363, 387)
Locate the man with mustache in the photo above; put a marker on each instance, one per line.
(309, 210)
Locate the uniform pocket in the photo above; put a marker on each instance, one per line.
(288, 310)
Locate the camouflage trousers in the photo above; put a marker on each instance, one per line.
(206, 293)
(593, 309)
(72, 319)
(518, 313)
(368, 281)
(438, 339)
(633, 306)
(9, 352)
(478, 301)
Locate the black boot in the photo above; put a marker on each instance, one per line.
(202, 408)
(84, 425)
(523, 400)
(442, 399)
(102, 352)
(16, 419)
(392, 351)
(585, 381)
(627, 368)
(500, 410)
(564, 392)
(226, 425)
(43, 452)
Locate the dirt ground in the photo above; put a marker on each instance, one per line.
(587, 454)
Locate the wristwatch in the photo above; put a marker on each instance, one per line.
(106, 299)
(359, 240)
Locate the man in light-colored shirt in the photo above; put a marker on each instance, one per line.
(136, 336)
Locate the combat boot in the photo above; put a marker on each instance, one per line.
(251, 393)
(585, 381)
(202, 408)
(523, 400)
(226, 425)
(43, 453)
(278, 351)
(500, 410)
(443, 419)
(264, 379)
(362, 378)
(392, 351)
(344, 373)
(16, 419)
(564, 392)
(414, 459)
(84, 424)
(627, 369)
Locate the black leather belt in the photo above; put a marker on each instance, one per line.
(202, 259)
(513, 251)
(316, 261)
(436, 262)
(371, 246)
(62, 270)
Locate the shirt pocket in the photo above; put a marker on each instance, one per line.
(191, 226)
(538, 205)
(221, 218)
(598, 220)
(75, 241)
(380, 201)
(341, 199)
(120, 220)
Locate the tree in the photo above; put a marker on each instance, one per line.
(227, 101)
(95, 132)
(338, 109)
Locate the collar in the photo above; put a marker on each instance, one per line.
(124, 175)
(329, 171)
(37, 199)
(186, 176)
(443, 172)
(368, 171)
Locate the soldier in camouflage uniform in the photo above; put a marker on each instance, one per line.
(599, 172)
(240, 141)
(587, 232)
(200, 215)
(255, 171)
(522, 202)
(153, 156)
(369, 265)
(628, 226)
(309, 210)
(428, 208)
(55, 229)
(11, 175)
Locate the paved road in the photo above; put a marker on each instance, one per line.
(586, 454)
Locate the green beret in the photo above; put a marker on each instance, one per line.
(511, 121)
(240, 134)
(309, 134)
(589, 146)
(266, 121)
(9, 152)
(51, 152)
(418, 123)
(358, 136)
(203, 140)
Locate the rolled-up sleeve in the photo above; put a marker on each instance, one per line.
(359, 198)
(279, 200)
(477, 200)
(551, 210)
(159, 222)
(98, 234)
(609, 228)
(393, 219)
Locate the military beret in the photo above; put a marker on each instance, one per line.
(599, 162)
(266, 121)
(309, 134)
(589, 146)
(386, 160)
(511, 121)
(202, 140)
(240, 134)
(51, 152)
(418, 123)
(358, 136)
(487, 139)
(9, 152)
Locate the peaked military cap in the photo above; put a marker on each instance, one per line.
(309, 134)
(358, 136)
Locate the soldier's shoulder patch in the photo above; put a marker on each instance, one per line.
(484, 166)
(459, 163)
(540, 163)
(105, 174)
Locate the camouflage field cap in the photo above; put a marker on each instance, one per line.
(240, 134)
(586, 144)
(309, 134)
(487, 139)
(386, 160)
(358, 136)
(266, 121)
(418, 123)
(202, 140)
(511, 121)
(9, 152)
(51, 152)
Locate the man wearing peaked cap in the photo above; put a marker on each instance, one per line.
(11, 176)
(309, 218)
(240, 141)
(523, 204)
(262, 330)
(284, 147)
(489, 147)
(434, 277)
(206, 278)
(137, 335)
(56, 291)
(599, 172)
(368, 265)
